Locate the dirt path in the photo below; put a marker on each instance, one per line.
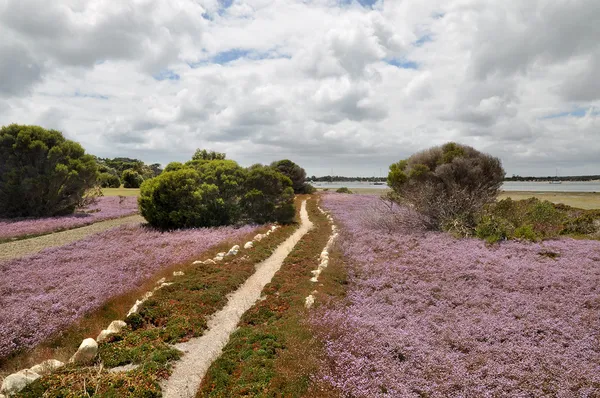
(24, 247)
(199, 353)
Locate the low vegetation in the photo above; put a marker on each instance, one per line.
(64, 284)
(343, 190)
(532, 219)
(105, 208)
(429, 315)
(174, 314)
(273, 352)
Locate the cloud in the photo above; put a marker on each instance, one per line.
(350, 85)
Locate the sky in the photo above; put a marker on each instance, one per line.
(340, 86)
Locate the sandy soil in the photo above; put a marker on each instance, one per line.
(25, 247)
(199, 353)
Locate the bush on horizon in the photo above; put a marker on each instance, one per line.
(448, 184)
(132, 179)
(42, 173)
(295, 173)
(208, 193)
(108, 180)
(343, 190)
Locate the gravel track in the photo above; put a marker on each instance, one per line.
(199, 353)
(25, 247)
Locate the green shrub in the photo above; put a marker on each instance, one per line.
(343, 190)
(107, 180)
(179, 199)
(308, 189)
(41, 172)
(447, 183)
(268, 196)
(525, 232)
(493, 229)
(132, 179)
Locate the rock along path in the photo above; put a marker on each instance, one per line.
(200, 352)
(28, 246)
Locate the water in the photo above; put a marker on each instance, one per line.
(587, 186)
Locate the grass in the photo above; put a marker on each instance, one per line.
(121, 191)
(174, 314)
(581, 200)
(273, 352)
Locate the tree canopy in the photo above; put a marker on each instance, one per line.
(41, 172)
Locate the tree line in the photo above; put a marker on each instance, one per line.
(44, 174)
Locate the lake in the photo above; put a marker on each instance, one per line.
(582, 186)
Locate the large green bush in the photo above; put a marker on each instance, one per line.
(179, 199)
(132, 179)
(448, 184)
(41, 172)
(205, 193)
(268, 196)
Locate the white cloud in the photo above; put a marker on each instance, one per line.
(309, 80)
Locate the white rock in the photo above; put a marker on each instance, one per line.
(18, 381)
(274, 227)
(86, 352)
(116, 326)
(316, 272)
(314, 279)
(248, 245)
(324, 263)
(46, 366)
(103, 335)
(310, 300)
(210, 261)
(146, 296)
(233, 251)
(198, 262)
(268, 233)
(222, 254)
(135, 307)
(161, 280)
(166, 284)
(217, 259)
(258, 237)
(178, 273)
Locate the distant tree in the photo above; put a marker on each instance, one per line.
(294, 172)
(173, 166)
(156, 169)
(448, 184)
(108, 180)
(132, 179)
(203, 154)
(268, 196)
(41, 172)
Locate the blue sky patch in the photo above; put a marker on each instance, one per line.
(167, 74)
(402, 63)
(422, 40)
(576, 112)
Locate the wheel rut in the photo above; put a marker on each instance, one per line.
(199, 353)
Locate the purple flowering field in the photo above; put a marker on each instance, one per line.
(430, 315)
(44, 293)
(108, 207)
